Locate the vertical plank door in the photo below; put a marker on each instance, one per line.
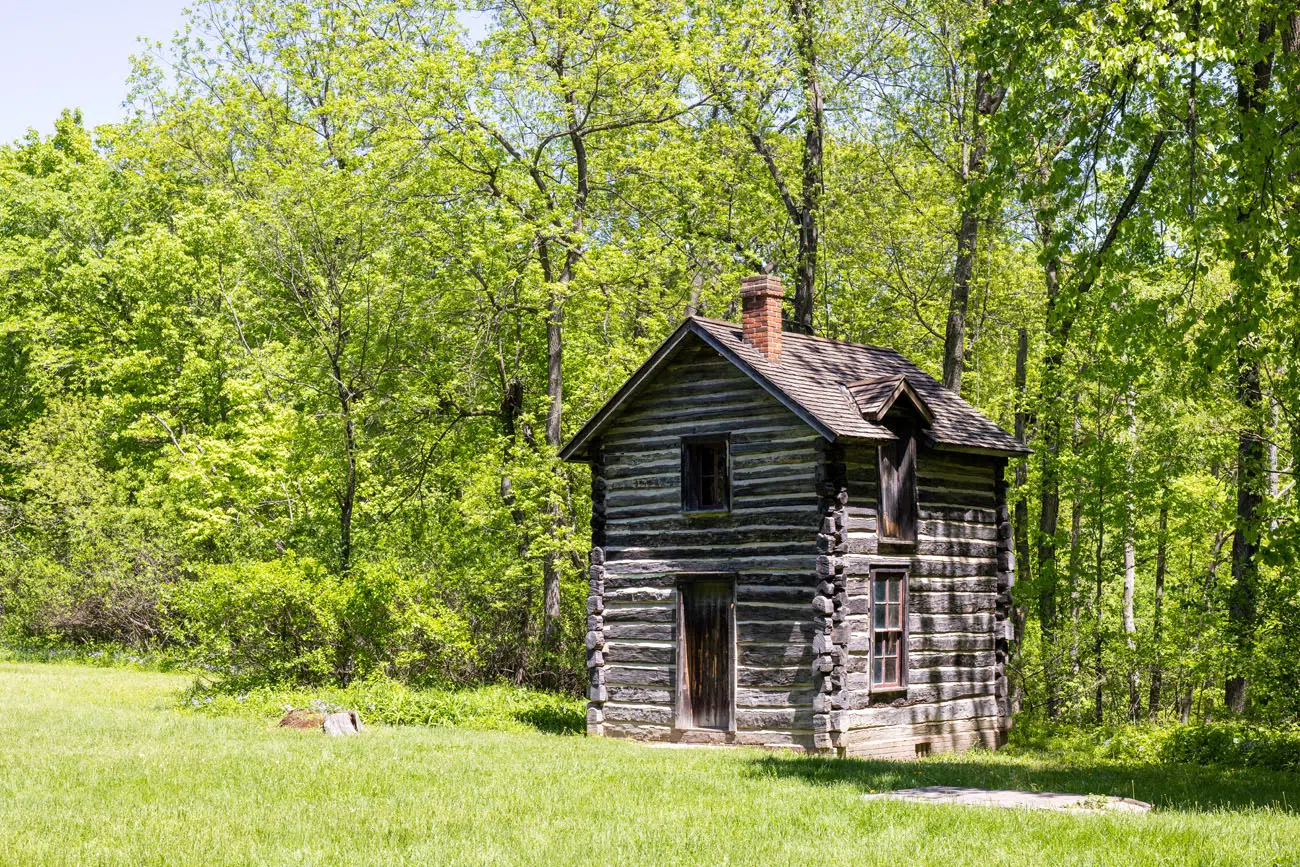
(706, 631)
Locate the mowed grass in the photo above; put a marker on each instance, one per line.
(98, 767)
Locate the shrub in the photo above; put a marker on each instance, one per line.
(1236, 745)
(293, 621)
(378, 699)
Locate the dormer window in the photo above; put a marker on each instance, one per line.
(898, 485)
(706, 475)
(893, 403)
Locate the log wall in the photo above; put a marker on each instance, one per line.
(768, 541)
(956, 605)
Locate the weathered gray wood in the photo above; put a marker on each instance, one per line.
(639, 614)
(775, 698)
(776, 718)
(629, 676)
(747, 593)
(774, 676)
(640, 695)
(776, 632)
(765, 611)
(640, 713)
(934, 602)
(779, 654)
(620, 652)
(965, 708)
(628, 631)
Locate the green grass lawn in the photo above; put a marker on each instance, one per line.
(97, 767)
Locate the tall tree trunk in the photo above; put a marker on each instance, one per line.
(1099, 662)
(985, 102)
(1242, 601)
(1157, 612)
(1024, 566)
(1253, 83)
(554, 439)
(1130, 573)
(803, 14)
(1130, 623)
(1049, 492)
(1075, 567)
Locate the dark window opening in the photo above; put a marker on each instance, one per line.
(706, 477)
(889, 629)
(898, 486)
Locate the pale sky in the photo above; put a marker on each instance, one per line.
(57, 54)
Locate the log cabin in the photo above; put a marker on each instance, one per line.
(796, 542)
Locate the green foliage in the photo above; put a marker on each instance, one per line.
(1235, 745)
(498, 707)
(288, 355)
(293, 621)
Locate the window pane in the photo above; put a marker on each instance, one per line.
(891, 669)
(877, 669)
(879, 619)
(882, 589)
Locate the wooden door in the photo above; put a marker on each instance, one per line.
(707, 673)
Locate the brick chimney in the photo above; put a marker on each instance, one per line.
(760, 299)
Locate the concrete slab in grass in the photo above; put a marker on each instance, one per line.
(1010, 798)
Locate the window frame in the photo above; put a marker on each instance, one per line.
(878, 573)
(691, 479)
(908, 468)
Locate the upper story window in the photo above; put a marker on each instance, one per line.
(898, 486)
(706, 475)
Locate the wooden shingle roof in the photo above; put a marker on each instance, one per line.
(816, 379)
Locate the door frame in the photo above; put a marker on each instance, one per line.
(683, 718)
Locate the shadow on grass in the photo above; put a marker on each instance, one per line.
(1166, 787)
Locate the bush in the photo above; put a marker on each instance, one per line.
(499, 707)
(1235, 745)
(292, 621)
(45, 604)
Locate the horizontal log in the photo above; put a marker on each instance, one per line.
(652, 654)
(858, 668)
(743, 533)
(796, 655)
(753, 567)
(628, 631)
(774, 718)
(639, 695)
(902, 742)
(637, 731)
(928, 602)
(924, 663)
(927, 566)
(956, 530)
(858, 696)
(640, 594)
(757, 593)
(637, 713)
(629, 676)
(640, 614)
(785, 548)
(774, 698)
(876, 717)
(935, 512)
(746, 676)
(758, 612)
(800, 632)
